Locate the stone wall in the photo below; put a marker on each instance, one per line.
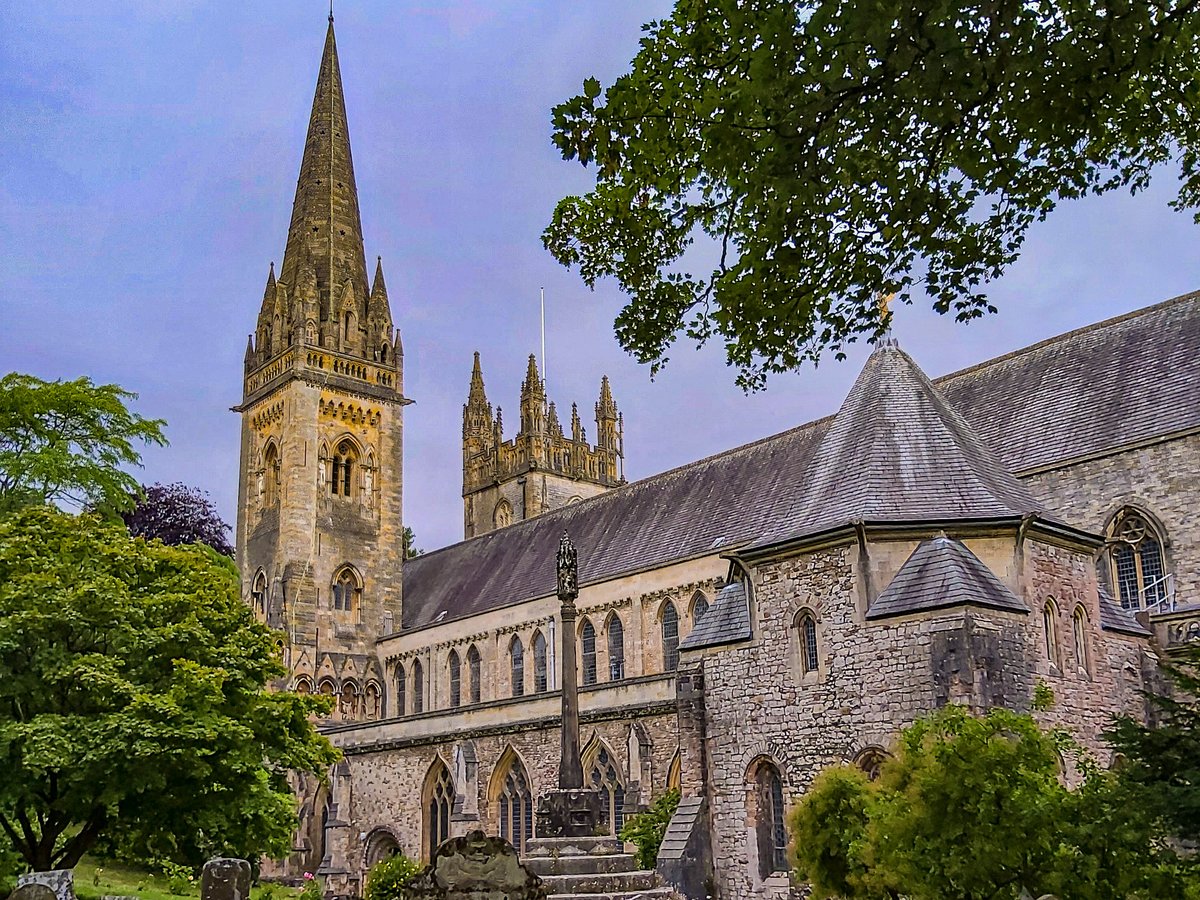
(1160, 480)
(875, 678)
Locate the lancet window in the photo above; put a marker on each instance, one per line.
(341, 473)
(439, 804)
(604, 778)
(587, 643)
(516, 656)
(540, 680)
(258, 594)
(418, 691)
(767, 814)
(699, 606)
(616, 649)
(670, 637)
(806, 627)
(514, 806)
(455, 680)
(347, 590)
(401, 689)
(473, 673)
(1079, 631)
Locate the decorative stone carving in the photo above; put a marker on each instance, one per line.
(225, 879)
(477, 867)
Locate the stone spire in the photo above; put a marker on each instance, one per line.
(477, 412)
(552, 423)
(326, 231)
(606, 418)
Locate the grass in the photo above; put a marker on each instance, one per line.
(96, 878)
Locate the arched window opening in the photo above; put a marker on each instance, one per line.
(767, 815)
(1138, 571)
(258, 594)
(516, 655)
(809, 655)
(401, 690)
(439, 804)
(348, 325)
(347, 591)
(473, 673)
(455, 680)
(870, 762)
(604, 778)
(503, 514)
(616, 649)
(1050, 631)
(341, 473)
(327, 688)
(418, 692)
(587, 641)
(699, 607)
(539, 663)
(383, 353)
(270, 476)
(371, 701)
(670, 637)
(1079, 629)
(514, 806)
(303, 685)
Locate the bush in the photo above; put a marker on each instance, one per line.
(646, 830)
(180, 879)
(386, 877)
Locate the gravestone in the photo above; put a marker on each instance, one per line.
(32, 891)
(225, 879)
(60, 881)
(474, 867)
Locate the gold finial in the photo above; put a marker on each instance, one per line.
(885, 304)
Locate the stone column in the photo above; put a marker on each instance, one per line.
(570, 767)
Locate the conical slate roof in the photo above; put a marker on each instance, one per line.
(326, 229)
(942, 572)
(898, 452)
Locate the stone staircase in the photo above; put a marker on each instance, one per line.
(591, 868)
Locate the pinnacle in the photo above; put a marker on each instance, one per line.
(476, 396)
(378, 287)
(533, 381)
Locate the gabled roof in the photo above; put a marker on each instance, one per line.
(726, 621)
(1114, 617)
(942, 572)
(1030, 408)
(898, 452)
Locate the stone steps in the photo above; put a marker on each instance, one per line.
(600, 883)
(580, 865)
(658, 893)
(592, 868)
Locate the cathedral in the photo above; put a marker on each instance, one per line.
(745, 620)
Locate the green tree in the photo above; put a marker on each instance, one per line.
(67, 441)
(410, 543)
(646, 830)
(385, 880)
(830, 152)
(1164, 758)
(133, 700)
(974, 807)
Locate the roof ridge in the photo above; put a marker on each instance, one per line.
(1082, 329)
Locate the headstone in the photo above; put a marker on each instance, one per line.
(474, 867)
(60, 881)
(32, 891)
(225, 879)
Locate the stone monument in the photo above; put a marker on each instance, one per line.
(59, 881)
(225, 879)
(569, 811)
(474, 867)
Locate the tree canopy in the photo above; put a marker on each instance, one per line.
(67, 441)
(133, 701)
(178, 514)
(835, 152)
(975, 807)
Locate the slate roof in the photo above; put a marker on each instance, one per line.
(943, 572)
(1121, 381)
(898, 452)
(727, 620)
(1114, 617)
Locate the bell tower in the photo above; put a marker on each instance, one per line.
(319, 521)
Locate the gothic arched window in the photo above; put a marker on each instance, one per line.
(473, 673)
(587, 643)
(418, 691)
(348, 707)
(258, 594)
(514, 805)
(670, 637)
(455, 680)
(401, 689)
(602, 776)
(503, 514)
(347, 591)
(371, 701)
(1079, 631)
(340, 481)
(806, 628)
(516, 655)
(1136, 555)
(270, 494)
(1050, 632)
(870, 762)
(539, 663)
(767, 815)
(616, 649)
(439, 804)
(699, 607)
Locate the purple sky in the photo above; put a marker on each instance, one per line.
(147, 165)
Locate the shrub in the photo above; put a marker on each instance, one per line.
(646, 830)
(386, 877)
(179, 878)
(312, 890)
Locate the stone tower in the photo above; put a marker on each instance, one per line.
(319, 503)
(542, 468)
